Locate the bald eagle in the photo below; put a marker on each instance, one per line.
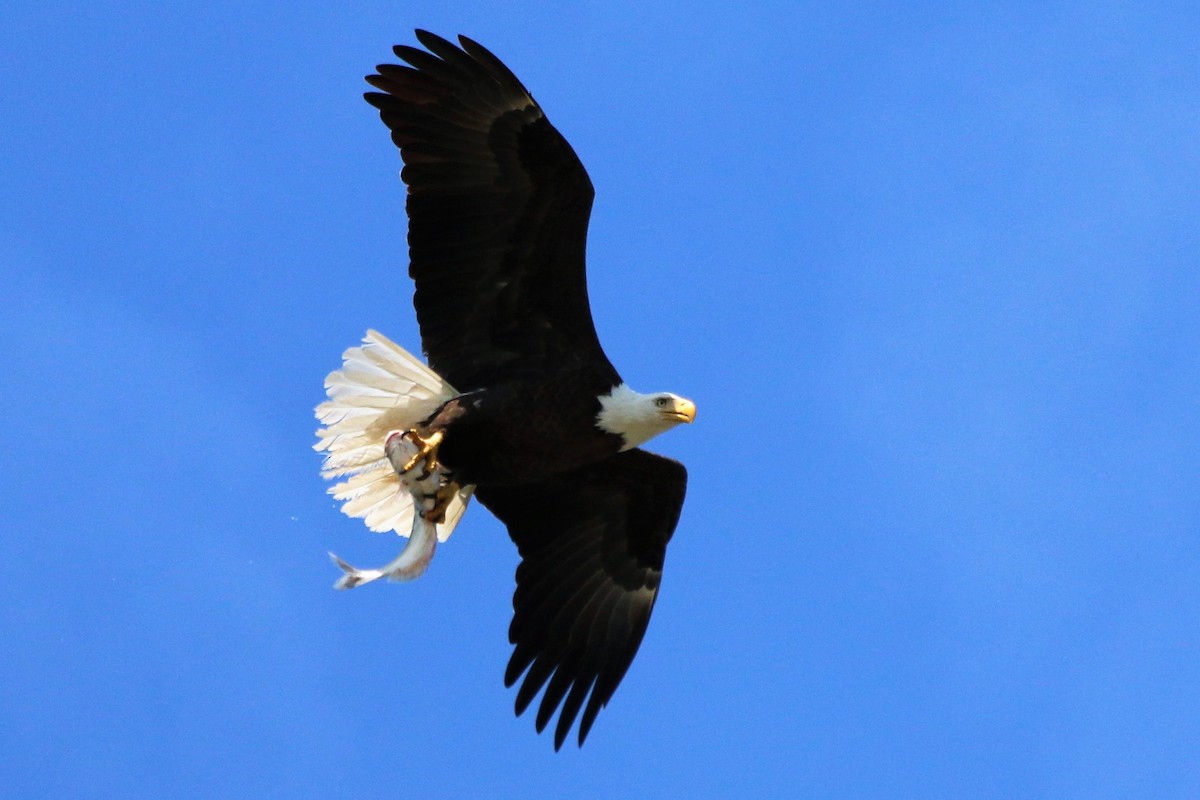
(519, 406)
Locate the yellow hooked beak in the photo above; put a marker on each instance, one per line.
(684, 410)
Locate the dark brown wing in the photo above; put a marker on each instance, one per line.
(498, 208)
(592, 544)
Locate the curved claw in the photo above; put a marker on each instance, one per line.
(406, 450)
(426, 450)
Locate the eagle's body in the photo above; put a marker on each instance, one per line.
(519, 405)
(514, 433)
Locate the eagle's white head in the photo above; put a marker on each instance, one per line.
(637, 418)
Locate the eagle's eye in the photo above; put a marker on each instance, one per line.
(661, 402)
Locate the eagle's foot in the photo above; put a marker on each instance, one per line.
(441, 501)
(426, 450)
(425, 454)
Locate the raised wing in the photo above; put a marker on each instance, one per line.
(592, 544)
(498, 207)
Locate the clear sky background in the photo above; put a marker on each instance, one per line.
(930, 271)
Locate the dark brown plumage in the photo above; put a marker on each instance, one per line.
(592, 545)
(498, 207)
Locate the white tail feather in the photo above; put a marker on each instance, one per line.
(380, 388)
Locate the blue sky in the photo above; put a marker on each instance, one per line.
(929, 271)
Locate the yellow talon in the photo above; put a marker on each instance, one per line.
(426, 450)
(445, 494)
